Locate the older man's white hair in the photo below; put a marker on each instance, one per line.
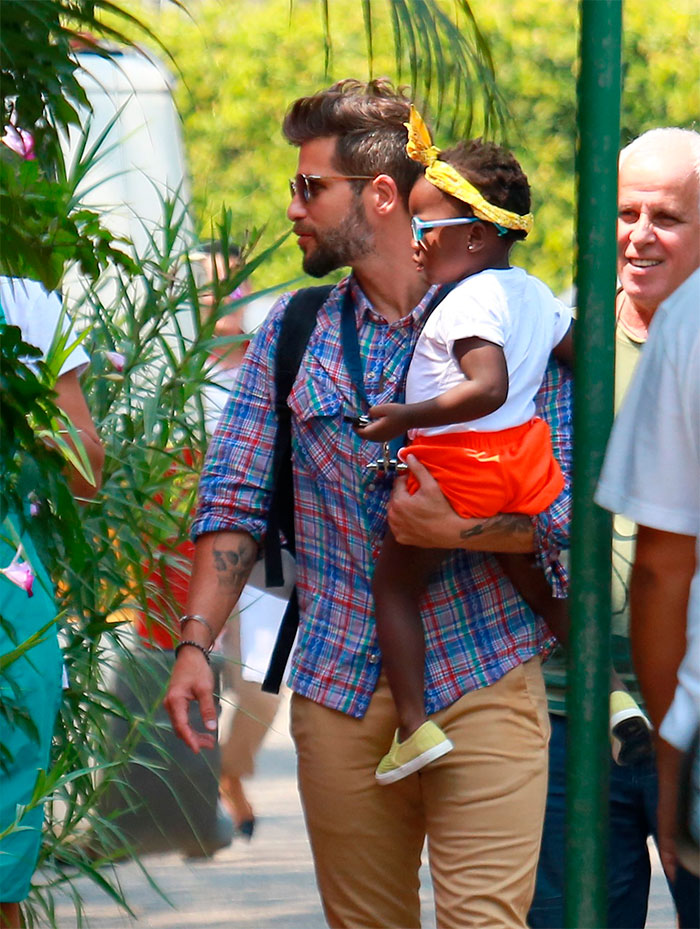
(668, 139)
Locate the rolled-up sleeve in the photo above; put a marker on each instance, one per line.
(236, 481)
(552, 526)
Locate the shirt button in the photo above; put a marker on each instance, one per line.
(374, 657)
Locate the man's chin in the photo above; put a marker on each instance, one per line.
(319, 265)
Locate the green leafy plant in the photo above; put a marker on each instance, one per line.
(41, 227)
(111, 559)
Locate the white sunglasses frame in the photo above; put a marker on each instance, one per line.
(419, 226)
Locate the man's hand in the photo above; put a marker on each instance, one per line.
(192, 679)
(222, 564)
(389, 420)
(427, 520)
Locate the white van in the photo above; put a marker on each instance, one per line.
(141, 161)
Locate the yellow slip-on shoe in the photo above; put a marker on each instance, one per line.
(426, 744)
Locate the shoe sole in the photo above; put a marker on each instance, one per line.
(631, 740)
(415, 764)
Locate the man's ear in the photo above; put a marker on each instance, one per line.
(385, 194)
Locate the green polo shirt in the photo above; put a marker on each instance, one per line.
(627, 352)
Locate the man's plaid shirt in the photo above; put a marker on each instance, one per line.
(476, 626)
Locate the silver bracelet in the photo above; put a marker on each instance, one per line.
(196, 618)
(203, 650)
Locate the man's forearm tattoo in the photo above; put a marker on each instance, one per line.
(233, 563)
(511, 523)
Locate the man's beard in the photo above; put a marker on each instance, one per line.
(342, 245)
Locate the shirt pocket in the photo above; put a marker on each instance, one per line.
(316, 405)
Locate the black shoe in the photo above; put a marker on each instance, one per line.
(246, 828)
(632, 741)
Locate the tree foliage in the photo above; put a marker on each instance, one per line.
(241, 68)
(42, 227)
(534, 46)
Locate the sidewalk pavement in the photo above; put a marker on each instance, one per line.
(267, 883)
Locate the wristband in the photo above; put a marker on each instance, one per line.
(196, 618)
(202, 649)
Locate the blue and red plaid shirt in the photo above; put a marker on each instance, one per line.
(476, 626)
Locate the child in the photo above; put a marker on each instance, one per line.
(470, 405)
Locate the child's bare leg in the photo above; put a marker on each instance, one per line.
(400, 580)
(629, 727)
(529, 580)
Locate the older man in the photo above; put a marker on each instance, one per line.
(652, 471)
(658, 248)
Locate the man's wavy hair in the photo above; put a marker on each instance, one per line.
(367, 121)
(495, 173)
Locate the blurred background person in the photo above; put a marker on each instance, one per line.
(253, 710)
(215, 271)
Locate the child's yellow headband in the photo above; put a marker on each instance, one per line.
(443, 176)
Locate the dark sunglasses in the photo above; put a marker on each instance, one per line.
(307, 186)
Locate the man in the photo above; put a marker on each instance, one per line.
(658, 248)
(652, 474)
(482, 805)
(658, 240)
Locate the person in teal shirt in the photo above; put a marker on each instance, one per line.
(30, 684)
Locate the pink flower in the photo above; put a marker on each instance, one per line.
(34, 504)
(117, 359)
(20, 573)
(20, 141)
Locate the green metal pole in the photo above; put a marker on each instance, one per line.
(588, 750)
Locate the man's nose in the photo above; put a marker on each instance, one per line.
(642, 231)
(297, 208)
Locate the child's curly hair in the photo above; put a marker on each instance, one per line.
(496, 174)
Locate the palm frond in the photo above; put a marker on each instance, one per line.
(446, 58)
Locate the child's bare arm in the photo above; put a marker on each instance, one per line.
(564, 351)
(484, 390)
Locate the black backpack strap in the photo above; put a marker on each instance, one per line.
(298, 322)
(297, 325)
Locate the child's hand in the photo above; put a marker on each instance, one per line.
(389, 420)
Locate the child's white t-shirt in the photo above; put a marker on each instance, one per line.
(508, 307)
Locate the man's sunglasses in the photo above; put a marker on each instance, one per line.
(307, 185)
(420, 226)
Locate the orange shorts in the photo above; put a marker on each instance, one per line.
(485, 473)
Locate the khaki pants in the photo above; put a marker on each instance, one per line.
(481, 806)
